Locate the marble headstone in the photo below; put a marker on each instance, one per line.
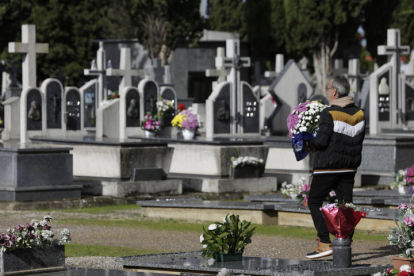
(150, 91)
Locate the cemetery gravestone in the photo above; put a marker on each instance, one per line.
(169, 94)
(53, 91)
(250, 109)
(132, 111)
(73, 109)
(220, 99)
(149, 91)
(34, 108)
(89, 103)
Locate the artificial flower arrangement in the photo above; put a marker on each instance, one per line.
(405, 270)
(246, 161)
(402, 237)
(150, 123)
(301, 190)
(229, 237)
(302, 124)
(185, 120)
(35, 234)
(342, 218)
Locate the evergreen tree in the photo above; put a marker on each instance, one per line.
(228, 16)
(402, 19)
(318, 27)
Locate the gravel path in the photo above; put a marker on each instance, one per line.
(377, 253)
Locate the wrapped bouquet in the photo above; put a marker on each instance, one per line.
(341, 219)
(302, 124)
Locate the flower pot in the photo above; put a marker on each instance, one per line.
(228, 257)
(305, 203)
(35, 259)
(149, 134)
(399, 261)
(247, 171)
(188, 134)
(403, 189)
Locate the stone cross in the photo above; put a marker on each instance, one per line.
(354, 77)
(99, 71)
(29, 48)
(394, 50)
(220, 72)
(125, 70)
(279, 64)
(234, 62)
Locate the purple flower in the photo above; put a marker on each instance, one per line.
(409, 221)
(409, 176)
(19, 228)
(191, 121)
(332, 193)
(47, 227)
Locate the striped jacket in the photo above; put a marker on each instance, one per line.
(338, 142)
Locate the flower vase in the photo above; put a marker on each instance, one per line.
(293, 196)
(399, 261)
(305, 203)
(403, 189)
(149, 134)
(228, 257)
(188, 134)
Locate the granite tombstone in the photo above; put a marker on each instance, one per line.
(53, 90)
(73, 108)
(34, 104)
(149, 90)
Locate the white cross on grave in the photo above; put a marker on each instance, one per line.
(220, 72)
(125, 70)
(100, 71)
(235, 63)
(279, 64)
(30, 48)
(394, 50)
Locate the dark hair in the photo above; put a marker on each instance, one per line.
(342, 85)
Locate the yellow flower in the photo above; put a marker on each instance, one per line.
(178, 119)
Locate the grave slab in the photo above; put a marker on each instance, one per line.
(133, 188)
(33, 173)
(106, 159)
(209, 210)
(77, 271)
(192, 262)
(208, 157)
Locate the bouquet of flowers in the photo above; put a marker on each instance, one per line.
(31, 235)
(399, 179)
(246, 160)
(402, 237)
(149, 123)
(230, 236)
(181, 107)
(405, 270)
(302, 124)
(164, 105)
(185, 119)
(341, 219)
(409, 175)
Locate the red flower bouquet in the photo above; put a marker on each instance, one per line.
(341, 219)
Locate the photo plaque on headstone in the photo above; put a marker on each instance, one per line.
(34, 109)
(73, 109)
(250, 110)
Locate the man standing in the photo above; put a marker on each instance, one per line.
(338, 147)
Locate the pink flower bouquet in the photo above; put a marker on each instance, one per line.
(149, 123)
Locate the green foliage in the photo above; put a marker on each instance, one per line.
(377, 19)
(231, 236)
(402, 19)
(228, 16)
